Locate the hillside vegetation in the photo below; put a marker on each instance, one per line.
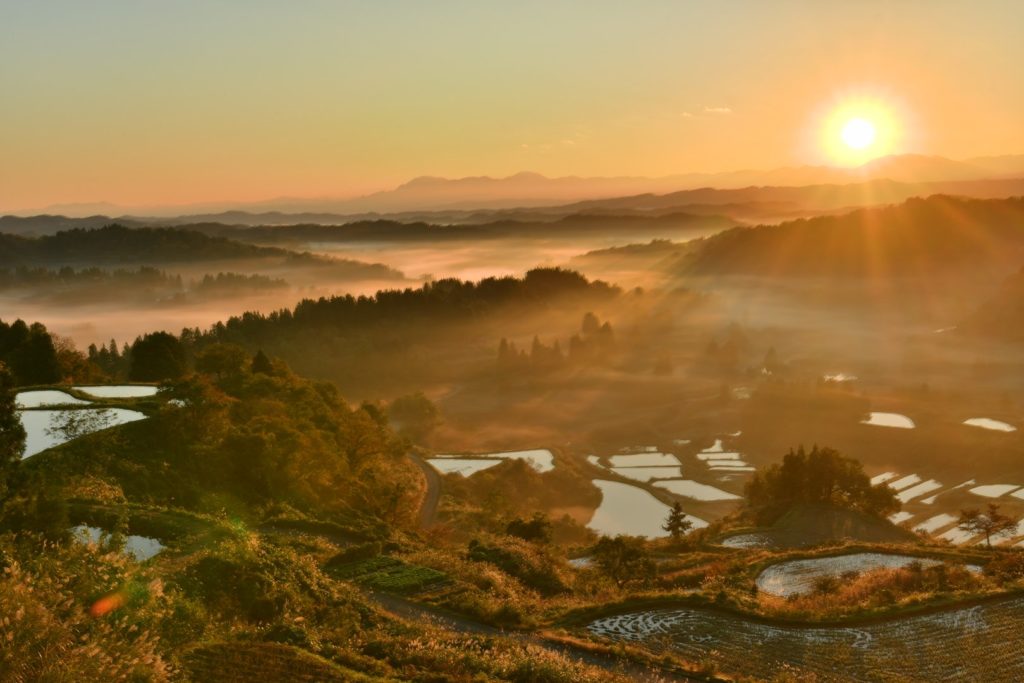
(915, 238)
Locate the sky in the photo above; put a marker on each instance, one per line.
(146, 102)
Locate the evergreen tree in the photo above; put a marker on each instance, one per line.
(261, 364)
(677, 525)
(12, 433)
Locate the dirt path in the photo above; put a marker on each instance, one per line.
(428, 510)
(407, 609)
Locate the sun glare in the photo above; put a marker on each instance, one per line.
(856, 127)
(858, 133)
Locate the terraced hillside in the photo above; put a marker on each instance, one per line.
(978, 643)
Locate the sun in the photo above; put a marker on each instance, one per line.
(854, 127)
(858, 133)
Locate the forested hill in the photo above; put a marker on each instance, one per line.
(565, 227)
(119, 245)
(399, 335)
(916, 237)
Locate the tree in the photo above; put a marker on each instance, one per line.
(822, 476)
(33, 356)
(624, 559)
(414, 415)
(677, 524)
(12, 433)
(536, 529)
(990, 523)
(222, 360)
(261, 364)
(156, 357)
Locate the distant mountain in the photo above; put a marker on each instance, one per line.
(526, 189)
(121, 246)
(918, 237)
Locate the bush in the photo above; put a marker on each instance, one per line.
(528, 565)
(364, 551)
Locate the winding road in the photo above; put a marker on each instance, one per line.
(428, 509)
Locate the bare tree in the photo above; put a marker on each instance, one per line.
(992, 523)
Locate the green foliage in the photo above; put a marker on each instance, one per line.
(356, 553)
(12, 433)
(677, 525)
(222, 360)
(414, 416)
(156, 357)
(261, 364)
(822, 475)
(532, 566)
(388, 574)
(537, 529)
(29, 353)
(624, 559)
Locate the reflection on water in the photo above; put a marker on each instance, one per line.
(48, 428)
(889, 420)
(631, 510)
(464, 466)
(139, 547)
(120, 391)
(46, 397)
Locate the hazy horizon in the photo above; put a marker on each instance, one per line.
(193, 104)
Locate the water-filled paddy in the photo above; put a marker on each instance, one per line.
(933, 524)
(540, 459)
(46, 397)
(993, 490)
(908, 494)
(748, 541)
(647, 473)
(464, 466)
(978, 643)
(718, 455)
(882, 478)
(139, 547)
(119, 391)
(627, 509)
(695, 490)
(889, 420)
(904, 482)
(654, 459)
(797, 577)
(48, 428)
(987, 423)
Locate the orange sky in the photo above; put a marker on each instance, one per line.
(143, 103)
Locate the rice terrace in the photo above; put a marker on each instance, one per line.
(504, 342)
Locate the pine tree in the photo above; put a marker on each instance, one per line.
(677, 525)
(261, 364)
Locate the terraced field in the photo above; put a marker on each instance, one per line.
(979, 643)
(796, 577)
